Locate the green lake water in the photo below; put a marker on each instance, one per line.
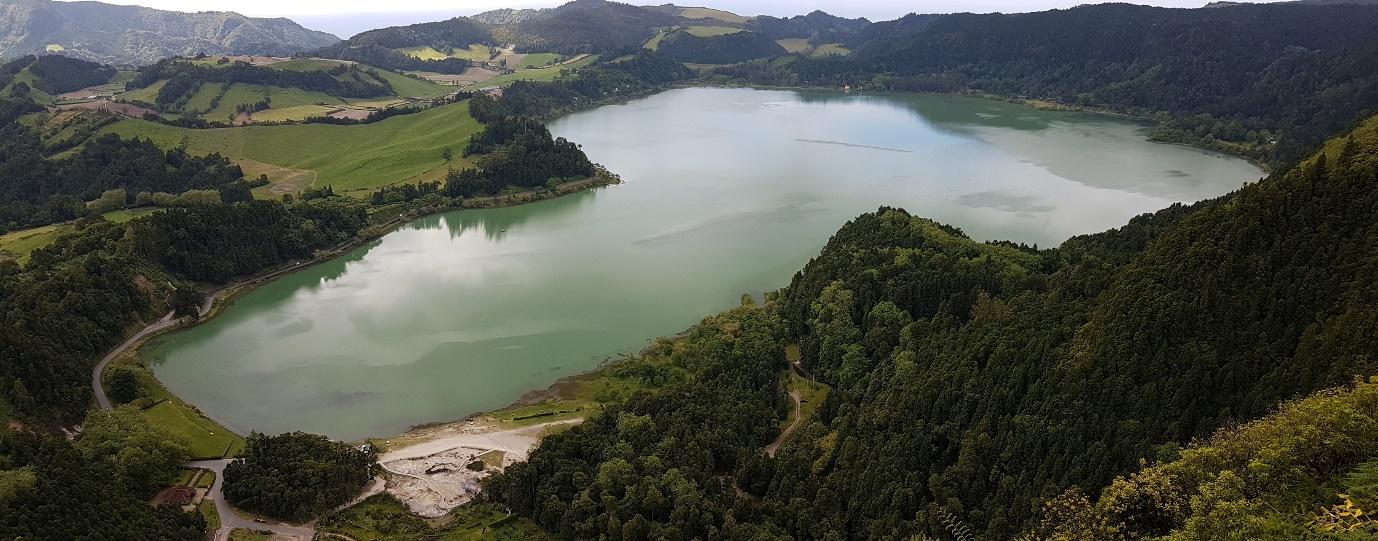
(728, 191)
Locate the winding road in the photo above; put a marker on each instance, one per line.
(229, 519)
(97, 385)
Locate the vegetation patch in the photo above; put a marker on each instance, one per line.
(296, 476)
(549, 73)
(383, 518)
(205, 438)
(404, 148)
(710, 31)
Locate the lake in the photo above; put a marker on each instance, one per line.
(728, 191)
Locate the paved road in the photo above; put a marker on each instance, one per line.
(97, 385)
(230, 520)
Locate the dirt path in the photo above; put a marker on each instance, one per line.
(798, 418)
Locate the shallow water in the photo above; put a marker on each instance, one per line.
(728, 191)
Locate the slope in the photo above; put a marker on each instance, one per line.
(136, 35)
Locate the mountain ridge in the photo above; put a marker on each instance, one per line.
(117, 34)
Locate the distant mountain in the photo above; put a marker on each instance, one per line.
(137, 35)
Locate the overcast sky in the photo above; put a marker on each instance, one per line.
(343, 16)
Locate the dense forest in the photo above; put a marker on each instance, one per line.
(96, 487)
(1268, 479)
(723, 49)
(296, 476)
(586, 26)
(1234, 78)
(817, 27)
(520, 153)
(56, 74)
(972, 382)
(38, 190)
(78, 297)
(628, 77)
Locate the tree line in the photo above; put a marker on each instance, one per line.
(296, 476)
(79, 297)
(1268, 81)
(183, 78)
(41, 190)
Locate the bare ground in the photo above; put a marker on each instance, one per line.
(428, 472)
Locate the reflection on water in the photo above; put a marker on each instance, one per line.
(728, 192)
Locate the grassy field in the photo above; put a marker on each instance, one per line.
(400, 149)
(536, 60)
(830, 49)
(205, 438)
(382, 518)
(654, 43)
(710, 31)
(409, 87)
(305, 64)
(794, 45)
(146, 94)
(475, 52)
(800, 45)
(710, 13)
(207, 509)
(21, 244)
(538, 74)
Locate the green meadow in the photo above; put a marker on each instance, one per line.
(205, 438)
(539, 74)
(400, 149)
(710, 31)
(475, 52)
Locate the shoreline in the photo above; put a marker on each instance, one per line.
(1040, 104)
(222, 298)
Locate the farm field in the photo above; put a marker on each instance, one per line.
(710, 13)
(539, 74)
(801, 45)
(350, 158)
(794, 45)
(710, 31)
(475, 52)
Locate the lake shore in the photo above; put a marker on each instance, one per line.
(220, 299)
(665, 227)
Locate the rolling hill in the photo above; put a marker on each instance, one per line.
(134, 35)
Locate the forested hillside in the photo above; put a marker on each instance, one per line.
(1233, 78)
(972, 382)
(133, 35)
